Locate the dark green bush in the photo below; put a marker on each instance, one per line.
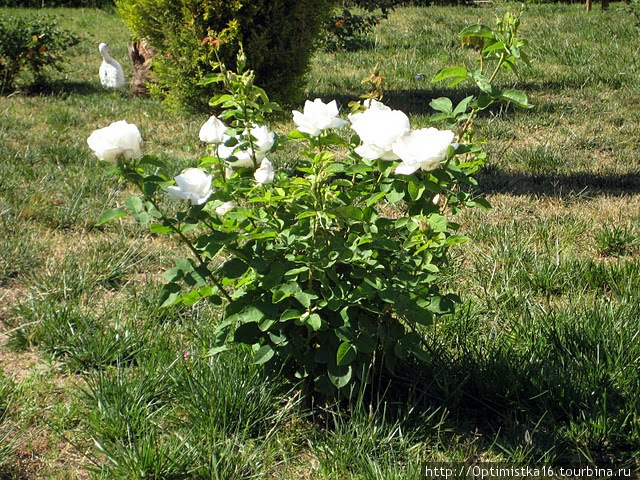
(56, 3)
(30, 44)
(278, 38)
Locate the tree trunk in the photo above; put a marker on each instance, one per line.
(140, 54)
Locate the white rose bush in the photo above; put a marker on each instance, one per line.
(330, 265)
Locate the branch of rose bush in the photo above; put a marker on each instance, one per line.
(191, 247)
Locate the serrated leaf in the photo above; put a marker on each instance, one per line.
(111, 215)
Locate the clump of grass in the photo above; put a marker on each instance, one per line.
(617, 240)
(6, 442)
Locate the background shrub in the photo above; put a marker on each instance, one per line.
(278, 38)
(352, 20)
(57, 3)
(32, 45)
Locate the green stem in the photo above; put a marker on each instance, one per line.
(191, 247)
(495, 72)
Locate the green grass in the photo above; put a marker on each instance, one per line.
(539, 364)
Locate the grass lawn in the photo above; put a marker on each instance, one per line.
(540, 364)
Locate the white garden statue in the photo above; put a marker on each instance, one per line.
(111, 74)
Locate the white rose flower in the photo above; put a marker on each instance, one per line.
(225, 208)
(119, 138)
(263, 141)
(213, 131)
(379, 128)
(318, 116)
(422, 149)
(193, 184)
(265, 173)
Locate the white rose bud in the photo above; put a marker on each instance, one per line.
(379, 128)
(193, 184)
(422, 149)
(318, 116)
(213, 131)
(225, 208)
(265, 173)
(119, 138)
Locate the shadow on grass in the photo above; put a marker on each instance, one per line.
(523, 408)
(61, 88)
(495, 180)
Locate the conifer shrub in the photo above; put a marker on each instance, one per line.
(278, 38)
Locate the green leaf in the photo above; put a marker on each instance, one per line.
(160, 229)
(169, 295)
(516, 96)
(350, 212)
(134, 204)
(297, 135)
(142, 218)
(314, 322)
(456, 239)
(304, 298)
(493, 47)
(110, 215)
(346, 354)
(462, 106)
(442, 104)
(484, 101)
(476, 30)
(290, 314)
(153, 161)
(416, 190)
(394, 196)
(249, 314)
(441, 304)
(437, 223)
(373, 199)
(247, 333)
(482, 82)
(339, 376)
(234, 268)
(216, 350)
(451, 72)
(264, 354)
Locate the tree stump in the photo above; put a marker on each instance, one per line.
(140, 54)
